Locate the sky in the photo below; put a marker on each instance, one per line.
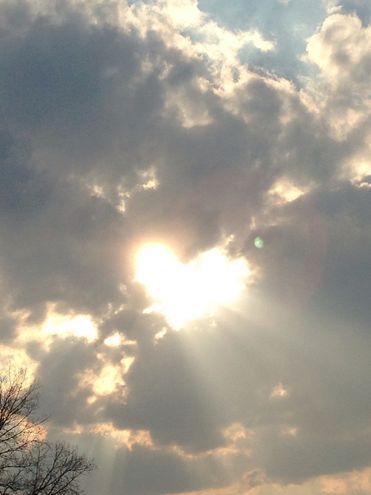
(185, 238)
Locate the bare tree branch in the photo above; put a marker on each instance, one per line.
(28, 464)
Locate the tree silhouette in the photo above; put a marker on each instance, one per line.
(29, 465)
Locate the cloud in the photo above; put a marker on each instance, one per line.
(127, 123)
(359, 7)
(341, 50)
(286, 23)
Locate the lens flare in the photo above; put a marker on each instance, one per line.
(258, 242)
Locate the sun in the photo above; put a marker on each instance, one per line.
(183, 292)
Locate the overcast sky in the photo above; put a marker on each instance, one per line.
(240, 128)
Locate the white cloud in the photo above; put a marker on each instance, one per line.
(341, 50)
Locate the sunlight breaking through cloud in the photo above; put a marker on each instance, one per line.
(79, 325)
(186, 291)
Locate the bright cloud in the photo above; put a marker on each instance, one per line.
(81, 326)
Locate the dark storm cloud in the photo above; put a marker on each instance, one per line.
(347, 271)
(318, 265)
(7, 329)
(23, 191)
(63, 398)
(147, 471)
(154, 473)
(168, 398)
(59, 85)
(61, 251)
(50, 91)
(318, 253)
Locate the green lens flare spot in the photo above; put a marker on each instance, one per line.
(258, 242)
